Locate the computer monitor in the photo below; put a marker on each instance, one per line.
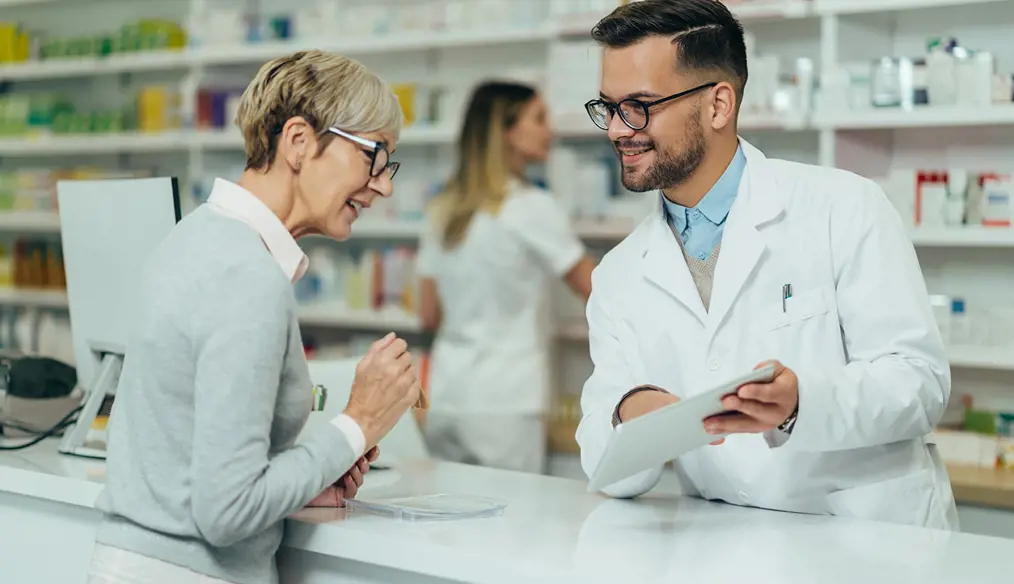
(109, 229)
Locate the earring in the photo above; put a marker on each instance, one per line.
(299, 164)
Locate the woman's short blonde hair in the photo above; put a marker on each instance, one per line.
(325, 89)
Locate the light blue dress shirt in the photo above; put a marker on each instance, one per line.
(701, 227)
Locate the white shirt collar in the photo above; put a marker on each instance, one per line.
(233, 200)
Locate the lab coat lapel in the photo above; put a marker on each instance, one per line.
(758, 203)
(665, 266)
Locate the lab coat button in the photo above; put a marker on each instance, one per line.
(714, 365)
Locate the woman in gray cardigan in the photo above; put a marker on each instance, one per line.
(203, 463)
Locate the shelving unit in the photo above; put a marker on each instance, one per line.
(33, 298)
(337, 315)
(29, 222)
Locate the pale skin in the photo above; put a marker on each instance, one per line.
(529, 141)
(647, 71)
(309, 193)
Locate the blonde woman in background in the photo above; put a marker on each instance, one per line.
(492, 247)
(203, 463)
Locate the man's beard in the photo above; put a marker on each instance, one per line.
(670, 168)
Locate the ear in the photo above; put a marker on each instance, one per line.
(723, 105)
(297, 142)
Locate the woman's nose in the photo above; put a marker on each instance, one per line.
(382, 185)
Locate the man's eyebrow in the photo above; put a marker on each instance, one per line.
(635, 95)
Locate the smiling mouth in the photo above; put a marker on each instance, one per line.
(632, 152)
(356, 206)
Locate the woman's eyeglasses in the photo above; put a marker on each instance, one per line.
(633, 112)
(380, 158)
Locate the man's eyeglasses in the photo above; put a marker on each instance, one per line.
(633, 112)
(380, 158)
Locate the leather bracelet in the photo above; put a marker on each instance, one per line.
(616, 411)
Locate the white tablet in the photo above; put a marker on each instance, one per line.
(656, 438)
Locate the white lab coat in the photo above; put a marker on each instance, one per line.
(490, 373)
(858, 331)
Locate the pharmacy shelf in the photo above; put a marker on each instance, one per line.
(987, 358)
(92, 67)
(97, 144)
(33, 298)
(831, 7)
(369, 45)
(771, 10)
(256, 54)
(29, 222)
(176, 141)
(963, 237)
(919, 117)
(336, 315)
(580, 25)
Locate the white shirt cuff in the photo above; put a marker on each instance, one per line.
(352, 431)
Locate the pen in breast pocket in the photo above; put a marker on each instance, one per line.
(786, 294)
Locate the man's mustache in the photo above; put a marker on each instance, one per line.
(628, 145)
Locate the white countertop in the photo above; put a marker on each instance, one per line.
(554, 531)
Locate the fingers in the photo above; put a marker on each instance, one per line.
(734, 424)
(373, 454)
(404, 361)
(771, 414)
(339, 496)
(351, 488)
(394, 349)
(718, 442)
(364, 465)
(776, 392)
(356, 474)
(381, 344)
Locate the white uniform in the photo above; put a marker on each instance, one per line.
(490, 369)
(858, 331)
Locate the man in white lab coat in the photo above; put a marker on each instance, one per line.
(749, 260)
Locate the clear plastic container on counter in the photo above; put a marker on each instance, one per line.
(442, 507)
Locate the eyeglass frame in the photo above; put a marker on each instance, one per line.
(645, 106)
(375, 148)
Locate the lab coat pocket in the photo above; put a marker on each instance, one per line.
(903, 500)
(801, 306)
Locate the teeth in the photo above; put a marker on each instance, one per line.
(356, 205)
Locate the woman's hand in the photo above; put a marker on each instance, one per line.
(348, 486)
(385, 387)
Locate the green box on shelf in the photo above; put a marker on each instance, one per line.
(103, 46)
(130, 37)
(981, 422)
(62, 122)
(42, 109)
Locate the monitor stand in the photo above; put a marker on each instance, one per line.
(105, 385)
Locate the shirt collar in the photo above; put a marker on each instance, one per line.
(717, 203)
(241, 204)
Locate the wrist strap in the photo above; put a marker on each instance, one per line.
(616, 411)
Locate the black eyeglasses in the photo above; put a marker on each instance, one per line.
(633, 112)
(380, 158)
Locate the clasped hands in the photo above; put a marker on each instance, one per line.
(348, 485)
(753, 408)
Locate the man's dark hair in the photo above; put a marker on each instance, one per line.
(707, 36)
